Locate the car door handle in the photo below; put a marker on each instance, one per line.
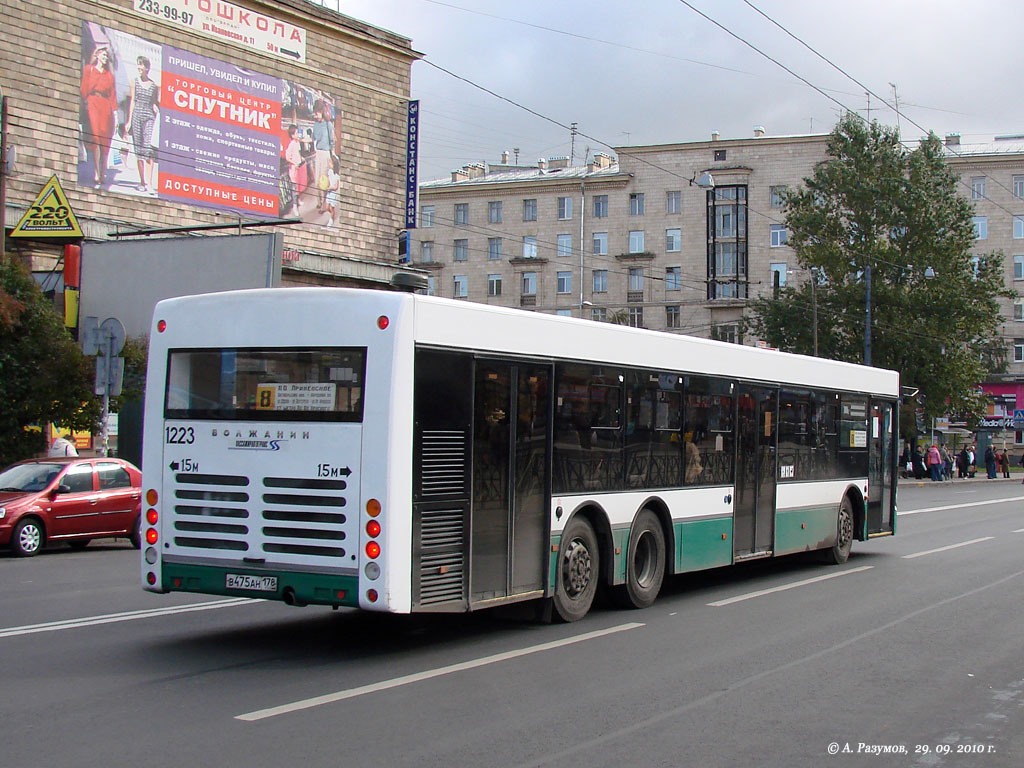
(94, 501)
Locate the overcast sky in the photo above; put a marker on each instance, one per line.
(656, 71)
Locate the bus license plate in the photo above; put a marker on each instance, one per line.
(254, 583)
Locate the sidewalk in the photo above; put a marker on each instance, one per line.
(978, 478)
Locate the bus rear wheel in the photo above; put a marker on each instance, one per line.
(839, 552)
(577, 572)
(645, 563)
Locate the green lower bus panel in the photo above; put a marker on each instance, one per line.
(804, 529)
(703, 544)
(307, 588)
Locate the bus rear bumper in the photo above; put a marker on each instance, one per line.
(291, 587)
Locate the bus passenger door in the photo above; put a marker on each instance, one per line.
(880, 468)
(754, 502)
(510, 480)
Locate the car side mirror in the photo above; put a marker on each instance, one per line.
(62, 489)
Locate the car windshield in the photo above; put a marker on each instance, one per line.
(28, 477)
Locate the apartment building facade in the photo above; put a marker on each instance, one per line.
(638, 238)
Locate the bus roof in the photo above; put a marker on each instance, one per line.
(457, 324)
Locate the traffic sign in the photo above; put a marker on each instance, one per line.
(50, 216)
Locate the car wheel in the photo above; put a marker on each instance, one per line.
(136, 534)
(27, 538)
(79, 544)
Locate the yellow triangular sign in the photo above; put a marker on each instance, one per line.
(49, 216)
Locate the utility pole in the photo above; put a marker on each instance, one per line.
(867, 314)
(3, 174)
(572, 144)
(896, 102)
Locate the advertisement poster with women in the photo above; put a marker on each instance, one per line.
(160, 122)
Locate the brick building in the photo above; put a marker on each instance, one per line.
(225, 83)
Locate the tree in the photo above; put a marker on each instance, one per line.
(43, 376)
(878, 215)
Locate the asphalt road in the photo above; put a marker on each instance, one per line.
(917, 643)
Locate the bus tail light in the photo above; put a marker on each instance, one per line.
(152, 516)
(371, 595)
(151, 536)
(151, 578)
(161, 326)
(373, 529)
(372, 550)
(373, 508)
(383, 322)
(152, 497)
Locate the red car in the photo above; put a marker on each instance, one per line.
(68, 499)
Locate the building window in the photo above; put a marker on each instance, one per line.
(636, 204)
(1018, 267)
(461, 284)
(779, 235)
(599, 315)
(673, 240)
(430, 285)
(672, 317)
(1018, 186)
(565, 208)
(978, 188)
(600, 243)
(1018, 227)
(565, 245)
(564, 282)
(636, 278)
(728, 332)
(636, 317)
(461, 250)
(494, 212)
(427, 251)
(563, 312)
(529, 283)
(530, 210)
(727, 244)
(672, 278)
(775, 195)
(493, 248)
(1018, 311)
(461, 214)
(530, 247)
(674, 201)
(980, 227)
(494, 285)
(719, 155)
(778, 270)
(636, 241)
(1018, 350)
(600, 206)
(600, 281)
(427, 216)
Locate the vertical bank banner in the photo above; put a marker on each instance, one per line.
(186, 128)
(412, 144)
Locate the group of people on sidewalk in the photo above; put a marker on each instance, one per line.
(937, 462)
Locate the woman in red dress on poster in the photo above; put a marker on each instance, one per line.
(101, 103)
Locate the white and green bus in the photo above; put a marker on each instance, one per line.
(407, 453)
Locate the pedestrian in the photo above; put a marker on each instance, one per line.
(62, 447)
(1004, 463)
(917, 461)
(990, 463)
(972, 461)
(935, 463)
(963, 462)
(947, 463)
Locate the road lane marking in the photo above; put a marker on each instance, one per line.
(947, 547)
(113, 618)
(784, 587)
(901, 513)
(395, 682)
(1019, 530)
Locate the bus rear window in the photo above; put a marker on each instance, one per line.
(266, 384)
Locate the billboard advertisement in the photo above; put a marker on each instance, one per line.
(160, 122)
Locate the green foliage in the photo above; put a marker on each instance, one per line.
(43, 375)
(875, 204)
(133, 387)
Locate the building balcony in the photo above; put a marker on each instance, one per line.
(530, 260)
(428, 265)
(635, 297)
(528, 301)
(641, 256)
